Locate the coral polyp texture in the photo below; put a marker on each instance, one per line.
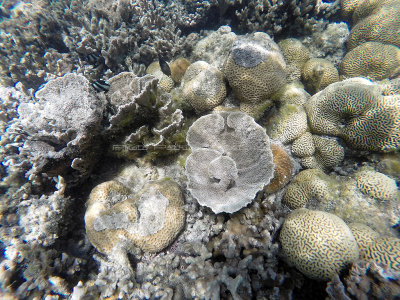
(255, 68)
(356, 110)
(296, 55)
(373, 60)
(231, 160)
(118, 221)
(203, 86)
(319, 244)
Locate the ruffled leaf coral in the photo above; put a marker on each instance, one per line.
(231, 160)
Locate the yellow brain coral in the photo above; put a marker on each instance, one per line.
(377, 185)
(308, 184)
(203, 86)
(356, 110)
(117, 220)
(318, 73)
(255, 68)
(319, 244)
(296, 55)
(384, 251)
(381, 24)
(372, 60)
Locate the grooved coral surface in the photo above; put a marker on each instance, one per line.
(118, 220)
(355, 110)
(318, 243)
(377, 185)
(308, 184)
(203, 86)
(379, 25)
(255, 68)
(384, 251)
(231, 160)
(373, 60)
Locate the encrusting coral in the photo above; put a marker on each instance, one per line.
(319, 244)
(117, 220)
(203, 86)
(231, 160)
(356, 110)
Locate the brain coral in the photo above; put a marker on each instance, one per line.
(203, 86)
(318, 73)
(372, 60)
(355, 110)
(165, 82)
(255, 68)
(377, 185)
(384, 251)
(318, 243)
(379, 25)
(308, 184)
(296, 55)
(118, 220)
(231, 160)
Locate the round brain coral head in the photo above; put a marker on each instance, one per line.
(318, 243)
(255, 68)
(231, 160)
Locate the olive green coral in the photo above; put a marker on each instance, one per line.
(119, 220)
(318, 73)
(319, 244)
(373, 60)
(203, 86)
(356, 110)
(255, 68)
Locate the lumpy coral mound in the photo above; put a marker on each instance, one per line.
(231, 160)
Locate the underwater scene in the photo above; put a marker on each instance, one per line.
(221, 149)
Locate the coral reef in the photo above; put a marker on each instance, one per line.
(318, 243)
(296, 55)
(356, 110)
(117, 220)
(142, 118)
(372, 60)
(318, 73)
(59, 129)
(231, 160)
(165, 82)
(178, 68)
(255, 68)
(203, 86)
(366, 280)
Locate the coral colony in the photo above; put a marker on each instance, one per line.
(200, 149)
